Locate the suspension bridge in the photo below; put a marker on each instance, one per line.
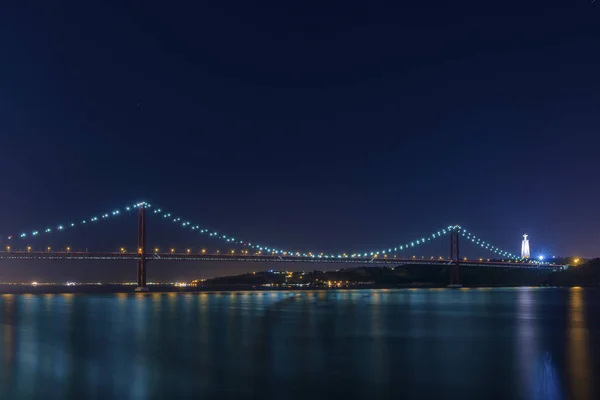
(265, 254)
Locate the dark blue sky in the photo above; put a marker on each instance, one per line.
(310, 124)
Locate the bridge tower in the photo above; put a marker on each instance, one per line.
(454, 259)
(141, 267)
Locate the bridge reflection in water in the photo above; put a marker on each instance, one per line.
(420, 343)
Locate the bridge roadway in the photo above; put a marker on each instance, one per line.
(33, 255)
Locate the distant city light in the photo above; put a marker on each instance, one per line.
(541, 258)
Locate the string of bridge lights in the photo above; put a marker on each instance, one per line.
(375, 253)
(183, 223)
(75, 223)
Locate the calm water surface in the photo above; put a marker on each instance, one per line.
(523, 343)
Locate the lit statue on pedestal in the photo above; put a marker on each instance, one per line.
(525, 247)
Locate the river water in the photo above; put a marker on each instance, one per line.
(522, 343)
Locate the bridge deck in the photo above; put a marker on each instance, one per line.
(31, 255)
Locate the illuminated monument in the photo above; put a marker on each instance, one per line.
(525, 247)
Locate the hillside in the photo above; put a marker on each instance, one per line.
(412, 275)
(587, 274)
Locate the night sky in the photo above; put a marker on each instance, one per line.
(310, 125)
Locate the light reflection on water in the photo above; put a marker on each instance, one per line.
(521, 343)
(578, 350)
(536, 371)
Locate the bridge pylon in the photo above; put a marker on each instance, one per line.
(454, 259)
(141, 264)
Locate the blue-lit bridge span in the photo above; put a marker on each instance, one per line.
(267, 254)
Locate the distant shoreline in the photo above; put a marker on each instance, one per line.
(157, 289)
